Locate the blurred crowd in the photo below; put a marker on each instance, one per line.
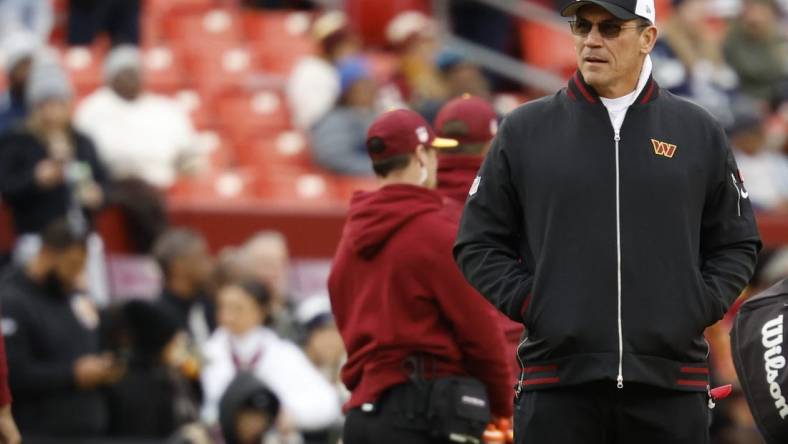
(224, 351)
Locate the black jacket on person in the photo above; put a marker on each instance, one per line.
(33, 207)
(43, 339)
(560, 202)
(183, 309)
(151, 401)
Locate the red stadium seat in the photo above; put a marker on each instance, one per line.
(307, 186)
(371, 18)
(219, 67)
(162, 73)
(279, 38)
(84, 67)
(548, 47)
(285, 150)
(194, 30)
(244, 116)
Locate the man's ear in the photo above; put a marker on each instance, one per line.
(648, 39)
(421, 155)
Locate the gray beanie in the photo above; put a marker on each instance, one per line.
(121, 58)
(47, 81)
(16, 47)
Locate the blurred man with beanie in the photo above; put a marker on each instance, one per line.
(49, 170)
(398, 300)
(139, 134)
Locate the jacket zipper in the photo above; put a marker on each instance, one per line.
(620, 377)
(520, 381)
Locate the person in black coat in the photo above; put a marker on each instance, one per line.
(48, 170)
(153, 399)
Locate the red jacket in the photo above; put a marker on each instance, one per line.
(5, 391)
(455, 176)
(395, 291)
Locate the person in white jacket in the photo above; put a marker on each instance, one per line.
(242, 343)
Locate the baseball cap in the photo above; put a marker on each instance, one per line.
(477, 115)
(399, 132)
(622, 9)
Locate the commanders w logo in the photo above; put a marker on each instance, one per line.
(663, 148)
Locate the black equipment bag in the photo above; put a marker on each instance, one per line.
(458, 409)
(760, 354)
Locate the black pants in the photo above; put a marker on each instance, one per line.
(393, 420)
(599, 413)
(119, 18)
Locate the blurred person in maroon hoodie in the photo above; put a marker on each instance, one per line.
(472, 122)
(397, 298)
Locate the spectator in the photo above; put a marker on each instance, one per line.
(88, 18)
(322, 343)
(688, 62)
(414, 37)
(30, 16)
(313, 87)
(186, 268)
(18, 51)
(243, 344)
(48, 170)
(52, 341)
(138, 134)
(764, 171)
(461, 77)
(152, 399)
(266, 259)
(758, 50)
(473, 123)
(248, 411)
(338, 138)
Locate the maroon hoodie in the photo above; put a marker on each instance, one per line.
(396, 291)
(456, 173)
(455, 176)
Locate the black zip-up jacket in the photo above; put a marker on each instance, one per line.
(43, 340)
(616, 252)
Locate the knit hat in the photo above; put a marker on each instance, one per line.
(121, 58)
(16, 47)
(47, 81)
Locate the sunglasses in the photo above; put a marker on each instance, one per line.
(608, 29)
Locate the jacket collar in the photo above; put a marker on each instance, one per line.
(580, 91)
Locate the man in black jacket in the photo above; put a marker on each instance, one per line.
(52, 343)
(611, 220)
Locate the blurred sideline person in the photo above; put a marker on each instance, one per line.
(611, 221)
(405, 313)
(187, 268)
(243, 344)
(52, 340)
(265, 258)
(472, 122)
(137, 133)
(18, 51)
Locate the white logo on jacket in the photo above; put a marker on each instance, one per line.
(475, 186)
(772, 339)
